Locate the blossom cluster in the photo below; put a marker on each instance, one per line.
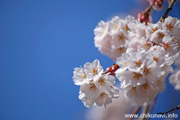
(112, 37)
(114, 111)
(143, 54)
(142, 74)
(148, 53)
(115, 37)
(96, 88)
(175, 77)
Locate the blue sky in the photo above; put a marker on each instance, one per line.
(41, 41)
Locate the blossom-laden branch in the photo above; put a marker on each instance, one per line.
(143, 54)
(176, 108)
(168, 10)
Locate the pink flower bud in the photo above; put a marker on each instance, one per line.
(111, 70)
(158, 4)
(144, 17)
(108, 69)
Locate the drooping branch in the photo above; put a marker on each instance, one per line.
(168, 10)
(176, 108)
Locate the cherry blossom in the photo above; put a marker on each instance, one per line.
(96, 88)
(175, 79)
(143, 55)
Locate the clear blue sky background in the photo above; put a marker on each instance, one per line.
(41, 41)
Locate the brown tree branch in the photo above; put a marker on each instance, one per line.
(148, 9)
(176, 108)
(168, 10)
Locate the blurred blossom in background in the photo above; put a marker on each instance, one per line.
(114, 111)
(42, 41)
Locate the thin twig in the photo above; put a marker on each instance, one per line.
(148, 9)
(168, 10)
(135, 111)
(176, 108)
